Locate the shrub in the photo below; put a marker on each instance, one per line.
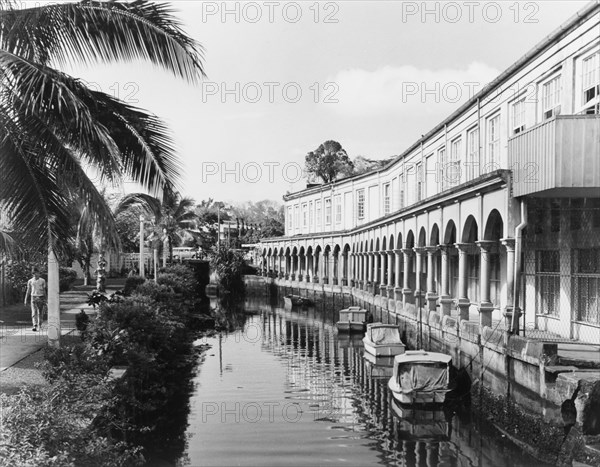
(132, 283)
(229, 266)
(67, 276)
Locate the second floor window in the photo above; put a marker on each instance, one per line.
(453, 169)
(518, 116)
(387, 198)
(419, 193)
(551, 98)
(297, 217)
(328, 211)
(360, 204)
(472, 165)
(318, 213)
(493, 143)
(443, 161)
(311, 214)
(304, 215)
(591, 84)
(289, 217)
(338, 209)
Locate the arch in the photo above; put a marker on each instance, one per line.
(295, 251)
(494, 226)
(371, 246)
(450, 233)
(309, 250)
(410, 240)
(376, 245)
(301, 252)
(336, 249)
(422, 237)
(391, 247)
(384, 243)
(469, 233)
(434, 236)
(399, 241)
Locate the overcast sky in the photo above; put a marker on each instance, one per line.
(284, 77)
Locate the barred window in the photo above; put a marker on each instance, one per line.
(586, 285)
(548, 282)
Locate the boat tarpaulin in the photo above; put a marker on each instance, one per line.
(423, 377)
(384, 335)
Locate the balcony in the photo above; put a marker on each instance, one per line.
(560, 157)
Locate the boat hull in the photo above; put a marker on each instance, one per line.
(417, 397)
(383, 350)
(350, 326)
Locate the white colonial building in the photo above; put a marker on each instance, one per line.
(496, 207)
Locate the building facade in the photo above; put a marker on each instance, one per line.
(496, 208)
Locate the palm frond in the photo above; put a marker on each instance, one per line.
(121, 31)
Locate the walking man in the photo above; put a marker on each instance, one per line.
(36, 288)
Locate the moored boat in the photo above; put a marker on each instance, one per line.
(421, 377)
(352, 319)
(383, 340)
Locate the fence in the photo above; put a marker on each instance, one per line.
(561, 283)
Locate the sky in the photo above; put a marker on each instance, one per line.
(283, 77)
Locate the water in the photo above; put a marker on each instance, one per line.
(284, 389)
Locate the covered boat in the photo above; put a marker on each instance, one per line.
(352, 319)
(383, 340)
(421, 377)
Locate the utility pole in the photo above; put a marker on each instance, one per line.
(219, 228)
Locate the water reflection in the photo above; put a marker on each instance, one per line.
(285, 389)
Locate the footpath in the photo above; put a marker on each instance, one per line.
(21, 347)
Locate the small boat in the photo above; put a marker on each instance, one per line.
(383, 340)
(291, 301)
(378, 367)
(352, 319)
(421, 377)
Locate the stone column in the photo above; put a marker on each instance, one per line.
(342, 262)
(397, 284)
(445, 298)
(485, 305)
(390, 278)
(509, 244)
(407, 292)
(315, 268)
(334, 273)
(431, 296)
(463, 301)
(418, 271)
(382, 273)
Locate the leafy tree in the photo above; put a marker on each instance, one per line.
(329, 162)
(172, 215)
(208, 214)
(52, 126)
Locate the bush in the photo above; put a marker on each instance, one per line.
(132, 283)
(67, 276)
(229, 266)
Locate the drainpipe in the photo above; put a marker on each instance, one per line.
(518, 262)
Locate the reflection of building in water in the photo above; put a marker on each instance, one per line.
(331, 381)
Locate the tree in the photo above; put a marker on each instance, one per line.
(52, 126)
(329, 162)
(172, 216)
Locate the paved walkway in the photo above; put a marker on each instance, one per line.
(18, 340)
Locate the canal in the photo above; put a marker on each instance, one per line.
(281, 387)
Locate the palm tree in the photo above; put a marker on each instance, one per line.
(173, 217)
(52, 127)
